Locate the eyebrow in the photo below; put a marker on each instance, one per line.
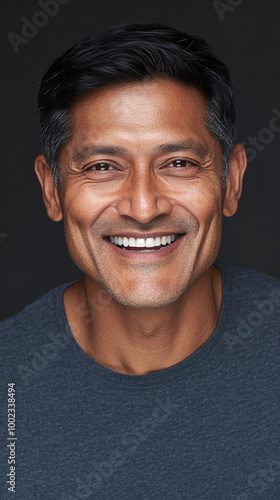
(91, 150)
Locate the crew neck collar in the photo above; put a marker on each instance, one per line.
(151, 379)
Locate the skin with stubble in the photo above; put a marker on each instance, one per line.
(141, 163)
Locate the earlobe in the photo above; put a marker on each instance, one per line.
(236, 170)
(49, 189)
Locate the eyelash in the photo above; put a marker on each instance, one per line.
(101, 164)
(104, 164)
(191, 163)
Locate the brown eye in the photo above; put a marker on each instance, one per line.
(182, 168)
(103, 167)
(181, 164)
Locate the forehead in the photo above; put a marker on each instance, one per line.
(142, 113)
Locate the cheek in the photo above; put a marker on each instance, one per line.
(204, 203)
(210, 209)
(211, 219)
(82, 206)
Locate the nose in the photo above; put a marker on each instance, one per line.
(144, 197)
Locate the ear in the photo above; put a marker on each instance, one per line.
(49, 189)
(236, 170)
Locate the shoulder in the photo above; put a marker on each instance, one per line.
(26, 330)
(248, 284)
(36, 311)
(251, 310)
(252, 297)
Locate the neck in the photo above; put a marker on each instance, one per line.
(140, 341)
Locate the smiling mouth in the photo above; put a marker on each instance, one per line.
(144, 244)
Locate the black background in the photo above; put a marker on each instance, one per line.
(33, 255)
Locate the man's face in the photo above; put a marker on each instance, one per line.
(142, 170)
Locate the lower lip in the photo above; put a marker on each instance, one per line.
(138, 255)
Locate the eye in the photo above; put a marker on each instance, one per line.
(101, 167)
(182, 164)
(181, 168)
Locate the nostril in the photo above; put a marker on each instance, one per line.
(143, 208)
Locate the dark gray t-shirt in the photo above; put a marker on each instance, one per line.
(207, 428)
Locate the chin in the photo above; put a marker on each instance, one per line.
(140, 299)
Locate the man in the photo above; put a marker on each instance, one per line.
(157, 375)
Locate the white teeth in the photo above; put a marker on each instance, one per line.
(150, 242)
(157, 241)
(131, 242)
(143, 242)
(140, 242)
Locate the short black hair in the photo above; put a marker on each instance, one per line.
(130, 53)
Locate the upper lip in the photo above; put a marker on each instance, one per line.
(131, 234)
